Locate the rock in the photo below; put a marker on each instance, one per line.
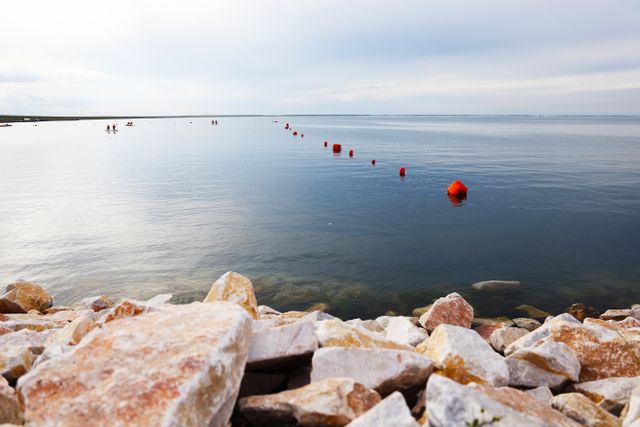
(336, 333)
(419, 311)
(181, 365)
(617, 314)
(158, 300)
(534, 312)
(450, 310)
(485, 331)
(610, 393)
(235, 288)
(546, 363)
(73, 332)
(632, 416)
(491, 321)
(319, 306)
(542, 393)
(462, 355)
(451, 404)
(4, 330)
(629, 322)
(384, 370)
(96, 303)
(56, 309)
(332, 402)
(402, 330)
(266, 311)
(367, 325)
(383, 320)
(503, 337)
(18, 351)
(23, 296)
(282, 346)
(496, 285)
(581, 311)
(526, 323)
(579, 408)
(255, 383)
(390, 412)
(125, 309)
(9, 408)
(542, 332)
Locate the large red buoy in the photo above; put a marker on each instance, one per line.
(326, 143)
(337, 148)
(403, 171)
(350, 153)
(286, 126)
(457, 188)
(373, 162)
(295, 133)
(302, 135)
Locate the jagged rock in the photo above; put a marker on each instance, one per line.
(546, 363)
(402, 330)
(181, 365)
(236, 288)
(496, 285)
(390, 412)
(610, 393)
(581, 311)
(542, 332)
(282, 346)
(96, 303)
(332, 402)
(18, 351)
(368, 325)
(501, 338)
(632, 416)
(462, 355)
(450, 404)
(5, 330)
(9, 408)
(526, 323)
(542, 393)
(22, 296)
(384, 370)
(255, 383)
(534, 312)
(73, 332)
(125, 309)
(450, 310)
(336, 333)
(579, 408)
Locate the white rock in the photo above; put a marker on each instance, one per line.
(159, 300)
(367, 325)
(391, 412)
(502, 337)
(547, 363)
(265, 310)
(579, 408)
(402, 330)
(542, 393)
(18, 351)
(384, 370)
(336, 333)
(496, 285)
(9, 408)
(282, 346)
(611, 394)
(632, 417)
(235, 288)
(541, 332)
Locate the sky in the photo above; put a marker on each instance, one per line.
(68, 57)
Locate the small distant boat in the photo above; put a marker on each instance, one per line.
(129, 124)
(5, 125)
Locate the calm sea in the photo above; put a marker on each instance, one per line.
(171, 204)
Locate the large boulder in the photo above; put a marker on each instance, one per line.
(282, 346)
(462, 355)
(336, 333)
(579, 408)
(21, 297)
(546, 363)
(9, 408)
(178, 366)
(384, 370)
(332, 402)
(236, 288)
(390, 412)
(450, 404)
(402, 330)
(611, 394)
(449, 310)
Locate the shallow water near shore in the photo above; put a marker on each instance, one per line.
(169, 205)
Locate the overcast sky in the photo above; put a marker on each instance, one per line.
(304, 56)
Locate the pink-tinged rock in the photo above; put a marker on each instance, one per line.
(332, 402)
(9, 408)
(22, 297)
(18, 351)
(628, 323)
(501, 338)
(462, 355)
(178, 366)
(546, 363)
(336, 333)
(73, 332)
(390, 412)
(235, 288)
(402, 330)
(125, 309)
(485, 331)
(384, 370)
(611, 394)
(450, 404)
(282, 346)
(96, 303)
(579, 408)
(450, 310)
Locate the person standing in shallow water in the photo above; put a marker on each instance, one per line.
(108, 128)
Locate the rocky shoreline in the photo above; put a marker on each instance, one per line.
(228, 361)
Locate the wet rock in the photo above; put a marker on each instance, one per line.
(332, 402)
(9, 408)
(18, 351)
(367, 325)
(96, 303)
(255, 383)
(390, 412)
(384, 370)
(452, 404)
(534, 312)
(579, 408)
(336, 333)
(526, 323)
(402, 330)
(319, 306)
(282, 346)
(610, 393)
(236, 288)
(450, 310)
(542, 393)
(419, 311)
(462, 355)
(178, 366)
(581, 311)
(22, 296)
(496, 285)
(503, 337)
(546, 363)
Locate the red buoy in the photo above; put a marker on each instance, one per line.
(295, 133)
(302, 135)
(350, 153)
(402, 171)
(373, 162)
(337, 148)
(457, 188)
(286, 126)
(326, 143)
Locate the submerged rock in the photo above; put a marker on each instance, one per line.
(496, 285)
(390, 412)
(178, 366)
(21, 297)
(581, 311)
(236, 288)
(546, 363)
(336, 333)
(449, 310)
(526, 323)
(579, 408)
(534, 312)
